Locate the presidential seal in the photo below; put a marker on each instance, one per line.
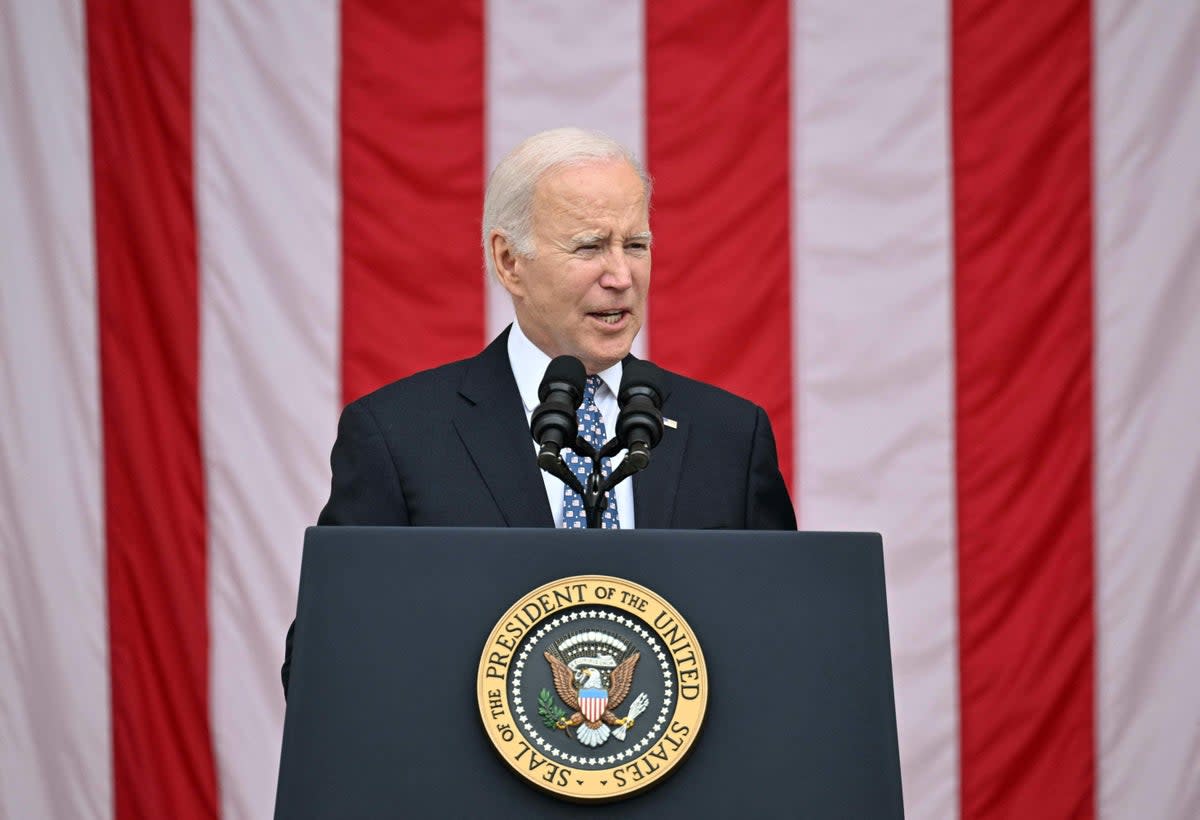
(592, 688)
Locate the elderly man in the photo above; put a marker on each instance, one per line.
(566, 232)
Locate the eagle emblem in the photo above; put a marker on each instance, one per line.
(593, 673)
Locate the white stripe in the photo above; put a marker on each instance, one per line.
(1147, 185)
(267, 205)
(551, 64)
(55, 731)
(874, 339)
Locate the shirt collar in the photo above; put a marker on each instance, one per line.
(529, 366)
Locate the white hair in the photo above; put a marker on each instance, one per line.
(508, 201)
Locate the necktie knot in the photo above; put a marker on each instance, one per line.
(590, 386)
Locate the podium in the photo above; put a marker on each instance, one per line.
(383, 719)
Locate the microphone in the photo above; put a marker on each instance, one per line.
(553, 423)
(640, 422)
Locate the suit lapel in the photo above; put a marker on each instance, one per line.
(655, 488)
(491, 424)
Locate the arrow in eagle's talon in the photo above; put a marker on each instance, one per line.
(636, 708)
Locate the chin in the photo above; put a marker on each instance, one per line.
(599, 361)
(604, 352)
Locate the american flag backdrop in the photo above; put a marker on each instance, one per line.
(951, 246)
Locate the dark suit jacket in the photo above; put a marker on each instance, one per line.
(451, 447)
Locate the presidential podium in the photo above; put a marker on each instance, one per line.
(383, 718)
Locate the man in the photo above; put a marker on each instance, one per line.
(566, 232)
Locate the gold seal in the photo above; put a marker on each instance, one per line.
(592, 688)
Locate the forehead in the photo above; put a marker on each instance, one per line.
(600, 190)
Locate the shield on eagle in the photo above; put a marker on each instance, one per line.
(593, 702)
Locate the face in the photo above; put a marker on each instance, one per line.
(583, 292)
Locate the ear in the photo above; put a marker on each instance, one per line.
(506, 261)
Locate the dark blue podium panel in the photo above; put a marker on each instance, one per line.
(382, 718)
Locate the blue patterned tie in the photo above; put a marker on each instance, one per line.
(591, 428)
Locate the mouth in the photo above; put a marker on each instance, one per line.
(611, 318)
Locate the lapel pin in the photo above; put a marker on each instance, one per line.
(670, 423)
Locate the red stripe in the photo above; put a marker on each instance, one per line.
(412, 188)
(139, 68)
(1023, 214)
(717, 120)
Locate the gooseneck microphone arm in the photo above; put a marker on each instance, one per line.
(558, 468)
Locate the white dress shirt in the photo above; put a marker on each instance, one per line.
(529, 366)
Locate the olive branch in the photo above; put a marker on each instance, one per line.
(548, 710)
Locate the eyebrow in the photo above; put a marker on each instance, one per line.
(590, 238)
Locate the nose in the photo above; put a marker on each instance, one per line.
(618, 273)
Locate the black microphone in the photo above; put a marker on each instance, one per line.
(640, 422)
(553, 423)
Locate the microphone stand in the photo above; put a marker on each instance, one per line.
(595, 490)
